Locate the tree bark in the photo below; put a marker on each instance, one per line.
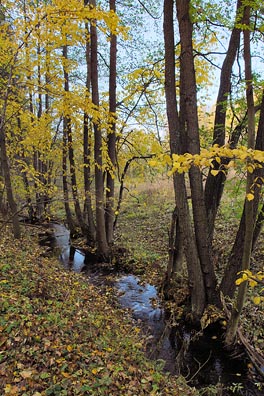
(215, 184)
(5, 162)
(194, 269)
(193, 147)
(175, 246)
(258, 226)
(68, 129)
(249, 204)
(111, 138)
(8, 184)
(101, 239)
(227, 285)
(2, 189)
(67, 208)
(88, 212)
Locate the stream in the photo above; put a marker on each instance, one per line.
(203, 362)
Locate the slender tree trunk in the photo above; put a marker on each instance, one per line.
(31, 109)
(228, 286)
(193, 146)
(87, 155)
(5, 163)
(88, 212)
(176, 253)
(2, 189)
(8, 184)
(37, 160)
(194, 269)
(258, 226)
(30, 208)
(111, 138)
(121, 188)
(67, 126)
(215, 184)
(101, 239)
(249, 207)
(122, 184)
(69, 218)
(47, 165)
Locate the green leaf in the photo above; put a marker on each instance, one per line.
(44, 375)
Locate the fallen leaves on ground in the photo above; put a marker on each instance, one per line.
(59, 335)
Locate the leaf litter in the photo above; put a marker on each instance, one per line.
(60, 335)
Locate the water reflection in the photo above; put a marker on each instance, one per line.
(143, 300)
(71, 257)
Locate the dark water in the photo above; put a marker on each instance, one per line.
(202, 360)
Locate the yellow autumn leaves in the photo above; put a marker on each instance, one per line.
(251, 158)
(224, 156)
(253, 280)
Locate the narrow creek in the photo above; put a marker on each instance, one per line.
(203, 363)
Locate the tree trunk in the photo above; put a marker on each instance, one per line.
(88, 212)
(175, 247)
(258, 226)
(37, 161)
(5, 163)
(68, 129)
(69, 218)
(215, 184)
(228, 286)
(47, 165)
(2, 189)
(193, 264)
(101, 239)
(249, 205)
(30, 208)
(193, 146)
(7, 177)
(122, 183)
(111, 138)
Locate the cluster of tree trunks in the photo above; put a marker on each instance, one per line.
(193, 233)
(96, 225)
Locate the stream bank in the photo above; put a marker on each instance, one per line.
(201, 360)
(61, 335)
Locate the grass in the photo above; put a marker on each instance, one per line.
(60, 335)
(143, 228)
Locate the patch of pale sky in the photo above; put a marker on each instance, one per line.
(152, 32)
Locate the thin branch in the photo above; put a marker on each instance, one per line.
(201, 366)
(147, 11)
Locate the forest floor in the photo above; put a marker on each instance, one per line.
(60, 335)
